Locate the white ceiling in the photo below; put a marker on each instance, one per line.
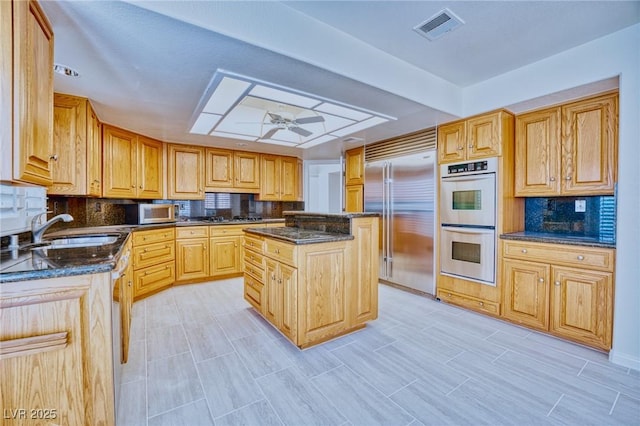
(147, 65)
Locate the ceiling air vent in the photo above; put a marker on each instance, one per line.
(439, 24)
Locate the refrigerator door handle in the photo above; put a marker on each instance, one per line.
(390, 212)
(385, 235)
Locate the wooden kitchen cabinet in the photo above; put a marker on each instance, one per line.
(254, 272)
(354, 198)
(192, 247)
(225, 246)
(186, 172)
(278, 180)
(570, 149)
(232, 171)
(57, 350)
(153, 261)
(27, 83)
(281, 297)
(133, 165)
(563, 290)
(123, 294)
(77, 140)
(476, 137)
(354, 166)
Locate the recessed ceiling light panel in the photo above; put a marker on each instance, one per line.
(225, 95)
(373, 121)
(205, 123)
(342, 111)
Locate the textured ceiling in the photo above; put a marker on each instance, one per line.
(147, 65)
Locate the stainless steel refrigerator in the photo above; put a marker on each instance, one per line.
(402, 190)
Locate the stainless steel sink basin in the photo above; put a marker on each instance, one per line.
(77, 241)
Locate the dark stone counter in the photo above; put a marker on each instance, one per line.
(544, 237)
(299, 236)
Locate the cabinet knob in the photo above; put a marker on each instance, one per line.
(144, 250)
(557, 283)
(277, 251)
(580, 257)
(471, 146)
(567, 178)
(133, 186)
(460, 148)
(273, 277)
(481, 303)
(280, 281)
(540, 280)
(524, 250)
(129, 283)
(140, 186)
(552, 179)
(53, 157)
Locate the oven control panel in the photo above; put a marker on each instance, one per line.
(490, 165)
(476, 166)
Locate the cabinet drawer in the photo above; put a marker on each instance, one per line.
(226, 230)
(255, 271)
(151, 254)
(254, 258)
(253, 292)
(192, 232)
(285, 253)
(255, 243)
(153, 278)
(561, 254)
(153, 236)
(469, 302)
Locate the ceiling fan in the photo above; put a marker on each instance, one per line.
(293, 125)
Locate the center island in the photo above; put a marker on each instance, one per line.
(317, 277)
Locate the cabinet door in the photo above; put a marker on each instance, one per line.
(152, 279)
(225, 255)
(6, 89)
(354, 166)
(582, 306)
(354, 198)
(589, 141)
(33, 94)
(451, 142)
(484, 136)
(94, 153)
(186, 172)
(150, 172)
(270, 178)
(120, 163)
(288, 178)
(288, 285)
(537, 150)
(247, 170)
(364, 270)
(525, 293)
(300, 181)
(218, 168)
(69, 171)
(126, 303)
(192, 261)
(272, 304)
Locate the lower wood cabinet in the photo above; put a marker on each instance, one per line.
(280, 307)
(153, 261)
(192, 247)
(564, 290)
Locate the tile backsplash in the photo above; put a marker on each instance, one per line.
(558, 215)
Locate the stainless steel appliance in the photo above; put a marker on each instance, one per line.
(141, 214)
(402, 190)
(468, 220)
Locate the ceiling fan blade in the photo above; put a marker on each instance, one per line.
(270, 133)
(275, 117)
(300, 131)
(306, 120)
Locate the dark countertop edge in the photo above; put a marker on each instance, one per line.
(40, 274)
(546, 238)
(330, 238)
(345, 215)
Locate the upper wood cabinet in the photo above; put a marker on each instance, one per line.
(232, 171)
(477, 137)
(133, 165)
(354, 198)
(78, 144)
(186, 172)
(354, 166)
(27, 84)
(300, 182)
(568, 150)
(279, 178)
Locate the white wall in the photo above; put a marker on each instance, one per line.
(323, 187)
(617, 54)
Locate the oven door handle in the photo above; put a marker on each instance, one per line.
(469, 178)
(470, 231)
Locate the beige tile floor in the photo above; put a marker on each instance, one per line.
(201, 356)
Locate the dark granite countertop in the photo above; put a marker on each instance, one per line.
(545, 237)
(330, 215)
(299, 236)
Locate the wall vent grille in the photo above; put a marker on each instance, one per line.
(438, 25)
(423, 140)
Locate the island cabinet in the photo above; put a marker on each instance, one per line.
(254, 271)
(56, 351)
(192, 247)
(570, 149)
(476, 137)
(186, 172)
(232, 171)
(77, 141)
(153, 261)
(563, 290)
(278, 179)
(27, 93)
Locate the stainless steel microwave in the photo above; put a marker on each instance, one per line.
(142, 214)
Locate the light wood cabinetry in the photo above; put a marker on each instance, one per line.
(153, 260)
(279, 178)
(225, 244)
(185, 172)
(77, 140)
(568, 150)
(27, 96)
(56, 350)
(474, 138)
(123, 294)
(254, 272)
(133, 165)
(192, 246)
(300, 181)
(280, 307)
(232, 171)
(354, 180)
(564, 290)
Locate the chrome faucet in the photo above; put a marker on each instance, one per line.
(38, 230)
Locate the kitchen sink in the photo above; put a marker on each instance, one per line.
(77, 241)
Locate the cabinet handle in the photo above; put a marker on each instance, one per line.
(273, 277)
(280, 281)
(460, 148)
(277, 251)
(567, 178)
(133, 186)
(236, 245)
(540, 280)
(524, 250)
(552, 179)
(481, 303)
(53, 157)
(140, 186)
(144, 250)
(129, 283)
(471, 146)
(580, 257)
(557, 283)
